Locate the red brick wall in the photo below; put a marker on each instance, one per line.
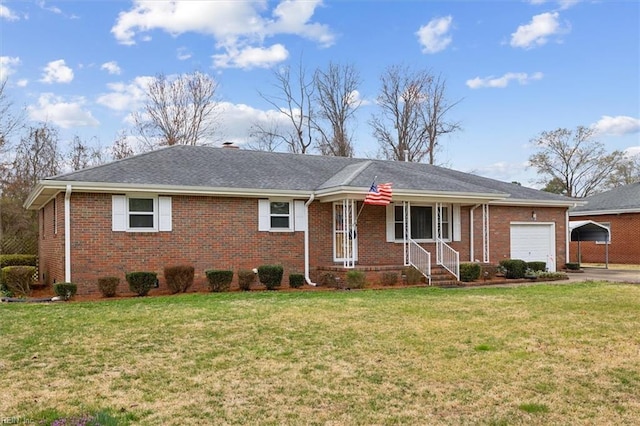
(625, 240)
(51, 243)
(222, 233)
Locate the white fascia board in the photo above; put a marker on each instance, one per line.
(603, 212)
(538, 203)
(53, 187)
(340, 193)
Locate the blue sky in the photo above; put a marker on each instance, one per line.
(519, 67)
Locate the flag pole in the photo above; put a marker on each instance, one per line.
(362, 206)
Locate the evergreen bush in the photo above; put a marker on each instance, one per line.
(219, 280)
(108, 286)
(141, 282)
(537, 266)
(271, 276)
(65, 290)
(515, 268)
(470, 271)
(17, 280)
(355, 279)
(296, 280)
(245, 279)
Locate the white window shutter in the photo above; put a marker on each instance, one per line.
(391, 226)
(264, 215)
(118, 213)
(164, 214)
(457, 226)
(300, 214)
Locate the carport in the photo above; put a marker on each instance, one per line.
(588, 230)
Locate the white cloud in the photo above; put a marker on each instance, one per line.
(501, 82)
(111, 67)
(57, 72)
(238, 119)
(183, 54)
(56, 110)
(434, 36)
(538, 31)
(564, 4)
(7, 66)
(632, 151)
(126, 97)
(619, 125)
(23, 82)
(6, 13)
(251, 57)
(237, 27)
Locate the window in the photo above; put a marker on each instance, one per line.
(423, 222)
(280, 214)
(135, 213)
(141, 213)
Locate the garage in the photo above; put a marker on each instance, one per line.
(533, 242)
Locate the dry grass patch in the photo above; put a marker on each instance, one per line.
(532, 355)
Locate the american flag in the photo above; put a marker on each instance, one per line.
(379, 195)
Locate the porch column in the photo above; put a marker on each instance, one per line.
(485, 233)
(350, 232)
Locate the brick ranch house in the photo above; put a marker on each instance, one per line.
(220, 208)
(617, 210)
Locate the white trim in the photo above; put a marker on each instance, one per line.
(300, 216)
(551, 255)
(67, 234)
(164, 214)
(457, 223)
(264, 215)
(118, 213)
(603, 212)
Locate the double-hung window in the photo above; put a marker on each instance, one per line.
(141, 213)
(281, 215)
(422, 222)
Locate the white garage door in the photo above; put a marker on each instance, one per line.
(534, 242)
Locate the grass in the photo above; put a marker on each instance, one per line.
(542, 354)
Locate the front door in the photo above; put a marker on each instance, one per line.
(345, 236)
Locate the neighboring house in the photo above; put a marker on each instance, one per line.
(219, 208)
(619, 211)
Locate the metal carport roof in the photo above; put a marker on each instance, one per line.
(588, 230)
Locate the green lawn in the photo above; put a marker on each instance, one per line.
(540, 354)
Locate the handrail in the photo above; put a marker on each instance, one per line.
(420, 259)
(447, 257)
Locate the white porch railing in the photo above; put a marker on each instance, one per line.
(447, 257)
(420, 259)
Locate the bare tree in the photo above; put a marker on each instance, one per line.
(574, 159)
(179, 111)
(121, 148)
(82, 155)
(265, 137)
(9, 120)
(294, 101)
(336, 88)
(413, 111)
(626, 172)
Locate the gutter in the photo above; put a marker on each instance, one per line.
(306, 242)
(67, 234)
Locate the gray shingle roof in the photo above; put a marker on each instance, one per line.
(198, 166)
(621, 198)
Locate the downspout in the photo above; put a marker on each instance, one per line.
(306, 242)
(67, 234)
(471, 233)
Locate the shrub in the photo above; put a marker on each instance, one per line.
(488, 272)
(245, 279)
(108, 286)
(179, 278)
(537, 266)
(270, 276)
(413, 275)
(17, 260)
(515, 268)
(18, 279)
(355, 279)
(389, 278)
(470, 271)
(65, 290)
(573, 266)
(329, 279)
(141, 282)
(219, 280)
(296, 280)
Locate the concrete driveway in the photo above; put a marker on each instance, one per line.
(601, 274)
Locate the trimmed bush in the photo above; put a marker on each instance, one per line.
(270, 276)
(573, 266)
(296, 280)
(413, 275)
(141, 282)
(108, 286)
(537, 266)
(18, 279)
(355, 279)
(389, 278)
(219, 280)
(18, 260)
(65, 290)
(245, 279)
(515, 268)
(179, 278)
(470, 271)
